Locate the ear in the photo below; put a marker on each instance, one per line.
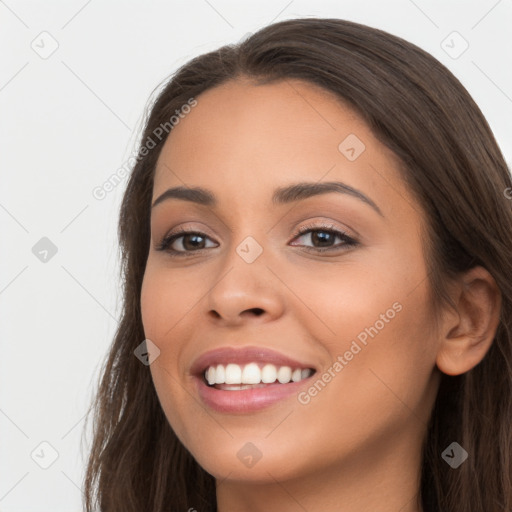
(468, 332)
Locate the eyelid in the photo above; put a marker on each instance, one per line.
(326, 225)
(312, 225)
(186, 229)
(348, 241)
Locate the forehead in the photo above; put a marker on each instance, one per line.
(239, 116)
(243, 140)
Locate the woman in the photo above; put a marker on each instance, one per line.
(316, 249)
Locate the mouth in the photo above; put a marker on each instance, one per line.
(249, 379)
(235, 377)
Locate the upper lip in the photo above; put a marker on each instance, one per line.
(244, 355)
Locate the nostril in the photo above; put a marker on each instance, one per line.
(257, 311)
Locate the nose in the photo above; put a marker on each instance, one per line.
(245, 292)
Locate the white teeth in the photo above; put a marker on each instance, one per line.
(220, 374)
(252, 374)
(210, 375)
(268, 374)
(233, 374)
(297, 375)
(284, 374)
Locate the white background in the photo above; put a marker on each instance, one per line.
(68, 122)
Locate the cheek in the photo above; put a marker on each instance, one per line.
(160, 311)
(374, 321)
(376, 384)
(341, 302)
(165, 299)
(167, 304)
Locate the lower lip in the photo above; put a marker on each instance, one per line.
(247, 400)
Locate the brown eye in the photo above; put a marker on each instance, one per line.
(192, 241)
(323, 238)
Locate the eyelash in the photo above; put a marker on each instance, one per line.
(168, 240)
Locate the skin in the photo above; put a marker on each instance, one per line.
(356, 445)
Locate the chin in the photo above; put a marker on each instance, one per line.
(247, 461)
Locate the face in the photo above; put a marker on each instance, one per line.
(273, 285)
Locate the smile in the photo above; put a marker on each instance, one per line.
(234, 376)
(247, 379)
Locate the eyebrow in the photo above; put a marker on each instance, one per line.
(282, 195)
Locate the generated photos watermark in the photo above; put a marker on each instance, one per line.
(101, 191)
(305, 397)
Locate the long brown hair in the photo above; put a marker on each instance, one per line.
(454, 168)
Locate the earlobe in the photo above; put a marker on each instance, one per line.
(468, 333)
